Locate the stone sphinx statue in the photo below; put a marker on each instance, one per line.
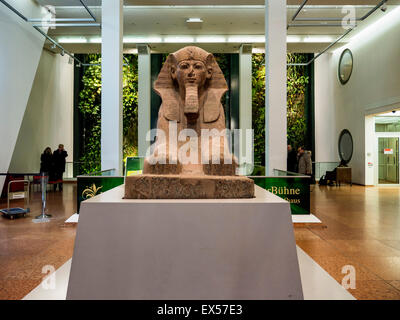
(191, 157)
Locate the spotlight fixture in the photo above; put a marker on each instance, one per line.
(394, 111)
(384, 7)
(53, 46)
(62, 53)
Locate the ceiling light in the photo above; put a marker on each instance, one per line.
(293, 39)
(317, 39)
(95, 40)
(72, 40)
(194, 23)
(142, 39)
(210, 39)
(179, 39)
(246, 39)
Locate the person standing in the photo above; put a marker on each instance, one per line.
(46, 161)
(59, 156)
(291, 159)
(304, 163)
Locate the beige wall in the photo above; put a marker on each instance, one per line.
(48, 119)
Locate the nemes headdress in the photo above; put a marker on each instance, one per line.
(164, 85)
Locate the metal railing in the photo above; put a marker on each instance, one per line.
(76, 168)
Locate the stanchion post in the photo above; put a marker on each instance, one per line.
(43, 217)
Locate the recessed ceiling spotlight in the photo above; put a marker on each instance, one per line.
(194, 23)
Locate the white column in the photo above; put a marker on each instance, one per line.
(111, 93)
(275, 85)
(144, 94)
(245, 108)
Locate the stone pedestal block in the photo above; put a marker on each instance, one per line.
(152, 186)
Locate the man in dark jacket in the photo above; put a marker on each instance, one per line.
(59, 161)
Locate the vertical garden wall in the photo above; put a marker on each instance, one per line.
(299, 104)
(88, 105)
(88, 101)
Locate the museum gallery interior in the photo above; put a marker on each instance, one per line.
(199, 150)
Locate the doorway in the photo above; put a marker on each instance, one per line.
(388, 160)
(386, 149)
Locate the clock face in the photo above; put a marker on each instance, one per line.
(345, 66)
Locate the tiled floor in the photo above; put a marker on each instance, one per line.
(27, 248)
(361, 229)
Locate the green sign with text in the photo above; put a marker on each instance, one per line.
(293, 189)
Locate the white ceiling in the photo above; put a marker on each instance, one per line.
(144, 19)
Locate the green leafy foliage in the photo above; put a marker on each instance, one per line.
(297, 82)
(258, 108)
(90, 108)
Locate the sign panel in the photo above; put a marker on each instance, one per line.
(388, 151)
(294, 189)
(134, 166)
(90, 186)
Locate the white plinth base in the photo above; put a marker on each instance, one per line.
(296, 218)
(305, 218)
(316, 282)
(185, 249)
(73, 219)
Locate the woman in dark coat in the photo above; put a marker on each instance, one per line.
(46, 161)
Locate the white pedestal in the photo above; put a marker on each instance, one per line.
(185, 249)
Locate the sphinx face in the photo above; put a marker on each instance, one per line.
(191, 76)
(191, 73)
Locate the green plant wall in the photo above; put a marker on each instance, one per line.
(297, 86)
(89, 106)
